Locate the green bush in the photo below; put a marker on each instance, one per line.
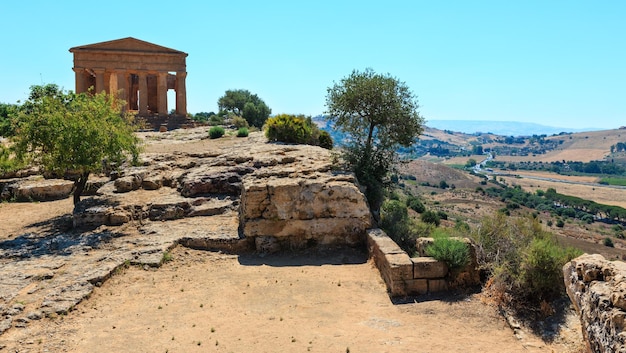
(397, 224)
(431, 217)
(560, 223)
(608, 242)
(242, 132)
(415, 204)
(240, 122)
(524, 260)
(215, 120)
(216, 132)
(325, 140)
(541, 270)
(296, 129)
(288, 128)
(453, 252)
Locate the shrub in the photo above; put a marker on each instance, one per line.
(442, 215)
(296, 129)
(453, 252)
(325, 140)
(523, 260)
(560, 223)
(415, 204)
(216, 132)
(288, 128)
(240, 122)
(216, 120)
(396, 222)
(242, 132)
(431, 217)
(608, 242)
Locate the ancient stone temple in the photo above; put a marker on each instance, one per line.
(139, 71)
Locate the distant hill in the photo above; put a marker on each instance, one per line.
(503, 128)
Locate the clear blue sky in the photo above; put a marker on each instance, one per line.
(558, 63)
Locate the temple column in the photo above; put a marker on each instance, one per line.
(80, 80)
(99, 80)
(122, 86)
(143, 93)
(113, 83)
(181, 93)
(162, 93)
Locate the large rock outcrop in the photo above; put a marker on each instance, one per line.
(287, 196)
(322, 208)
(597, 288)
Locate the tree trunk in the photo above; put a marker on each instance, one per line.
(79, 186)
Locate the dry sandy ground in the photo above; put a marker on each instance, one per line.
(333, 301)
(330, 302)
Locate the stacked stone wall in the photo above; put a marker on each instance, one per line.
(597, 288)
(405, 275)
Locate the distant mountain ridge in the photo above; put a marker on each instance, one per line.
(503, 128)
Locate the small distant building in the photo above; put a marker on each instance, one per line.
(139, 71)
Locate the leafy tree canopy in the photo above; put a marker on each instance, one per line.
(245, 104)
(72, 134)
(7, 116)
(378, 113)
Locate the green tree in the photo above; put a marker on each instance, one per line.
(245, 104)
(72, 135)
(7, 123)
(378, 113)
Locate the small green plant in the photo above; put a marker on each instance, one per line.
(216, 132)
(242, 132)
(608, 242)
(240, 122)
(453, 252)
(415, 204)
(167, 257)
(431, 217)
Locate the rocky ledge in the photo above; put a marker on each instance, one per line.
(597, 287)
(240, 197)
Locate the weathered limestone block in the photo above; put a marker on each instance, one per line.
(428, 267)
(437, 285)
(319, 208)
(465, 277)
(128, 183)
(207, 179)
(35, 188)
(597, 288)
(152, 182)
(267, 244)
(325, 231)
(416, 286)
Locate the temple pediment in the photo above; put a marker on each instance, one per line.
(128, 44)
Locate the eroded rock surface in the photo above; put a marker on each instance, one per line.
(251, 195)
(597, 287)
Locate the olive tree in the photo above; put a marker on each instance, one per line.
(72, 135)
(245, 104)
(378, 113)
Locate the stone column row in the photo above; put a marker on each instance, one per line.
(119, 82)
